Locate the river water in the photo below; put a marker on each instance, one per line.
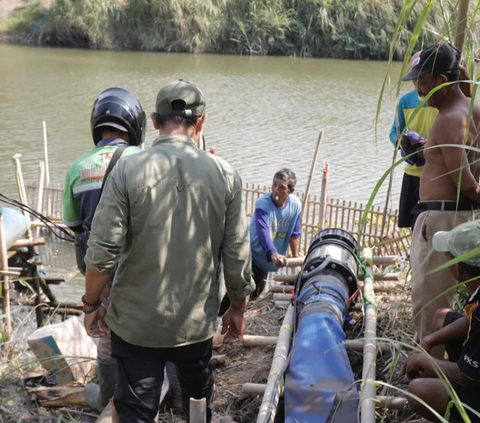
(263, 113)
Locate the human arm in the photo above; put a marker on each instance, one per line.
(71, 207)
(420, 365)
(95, 283)
(262, 226)
(398, 124)
(295, 238)
(237, 264)
(452, 129)
(456, 331)
(107, 239)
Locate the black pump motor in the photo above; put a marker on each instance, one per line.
(341, 247)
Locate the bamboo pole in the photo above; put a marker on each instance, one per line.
(21, 187)
(268, 408)
(198, 410)
(288, 279)
(41, 180)
(375, 260)
(356, 345)
(390, 402)
(312, 172)
(6, 282)
(323, 197)
(367, 396)
(45, 154)
(461, 24)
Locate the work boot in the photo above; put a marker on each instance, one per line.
(97, 396)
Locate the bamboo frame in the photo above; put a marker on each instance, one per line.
(272, 390)
(6, 282)
(367, 396)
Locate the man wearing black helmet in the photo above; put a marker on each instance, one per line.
(169, 216)
(118, 128)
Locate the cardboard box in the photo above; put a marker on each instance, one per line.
(65, 350)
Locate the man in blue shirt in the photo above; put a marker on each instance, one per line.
(275, 225)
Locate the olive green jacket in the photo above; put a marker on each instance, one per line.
(168, 216)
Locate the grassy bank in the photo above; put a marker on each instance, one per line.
(350, 29)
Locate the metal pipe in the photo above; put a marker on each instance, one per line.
(367, 397)
(268, 408)
(6, 281)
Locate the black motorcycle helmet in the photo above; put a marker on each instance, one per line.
(118, 108)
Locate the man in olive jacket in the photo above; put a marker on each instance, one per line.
(169, 216)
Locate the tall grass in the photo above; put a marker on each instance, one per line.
(353, 29)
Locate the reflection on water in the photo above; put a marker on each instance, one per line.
(263, 113)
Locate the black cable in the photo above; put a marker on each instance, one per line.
(39, 216)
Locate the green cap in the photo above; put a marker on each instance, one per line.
(185, 91)
(460, 240)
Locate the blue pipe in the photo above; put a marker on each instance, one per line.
(319, 382)
(15, 224)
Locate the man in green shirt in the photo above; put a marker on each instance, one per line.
(169, 216)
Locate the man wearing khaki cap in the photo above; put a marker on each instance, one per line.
(460, 333)
(169, 217)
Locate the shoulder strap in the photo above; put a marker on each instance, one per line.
(113, 161)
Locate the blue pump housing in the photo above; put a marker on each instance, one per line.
(319, 382)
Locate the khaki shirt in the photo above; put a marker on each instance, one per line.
(168, 215)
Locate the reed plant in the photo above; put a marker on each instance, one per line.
(350, 29)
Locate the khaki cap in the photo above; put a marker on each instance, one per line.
(460, 240)
(185, 91)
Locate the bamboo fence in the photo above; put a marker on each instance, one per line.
(381, 234)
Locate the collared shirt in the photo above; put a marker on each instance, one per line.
(169, 215)
(84, 180)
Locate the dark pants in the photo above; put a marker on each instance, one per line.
(409, 197)
(140, 377)
(259, 277)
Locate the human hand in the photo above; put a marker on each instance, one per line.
(233, 325)
(414, 366)
(95, 323)
(279, 260)
(404, 141)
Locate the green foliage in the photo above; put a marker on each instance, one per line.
(353, 29)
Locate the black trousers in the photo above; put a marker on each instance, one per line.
(140, 377)
(409, 197)
(259, 277)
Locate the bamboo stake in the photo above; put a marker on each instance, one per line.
(6, 282)
(41, 179)
(461, 24)
(21, 187)
(272, 389)
(390, 402)
(312, 172)
(323, 197)
(45, 154)
(198, 410)
(375, 260)
(367, 398)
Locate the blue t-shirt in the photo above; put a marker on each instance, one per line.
(272, 227)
